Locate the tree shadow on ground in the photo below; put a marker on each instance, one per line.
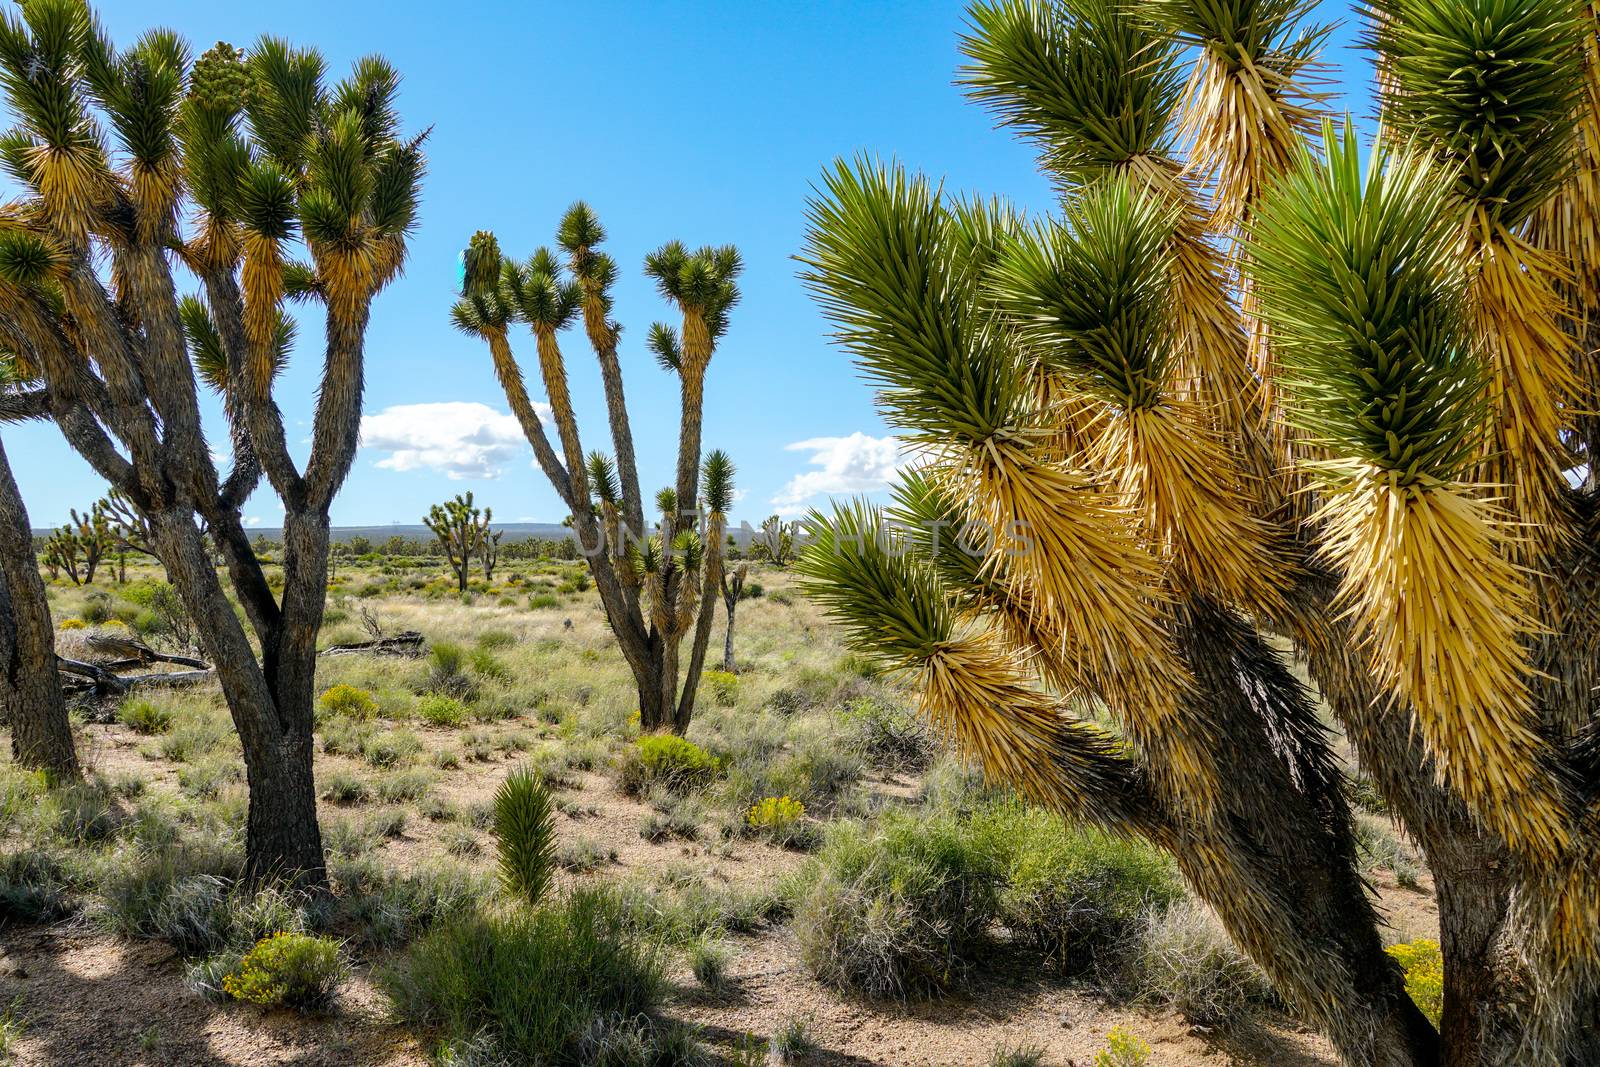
(86, 997)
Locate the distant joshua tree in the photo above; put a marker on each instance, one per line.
(462, 530)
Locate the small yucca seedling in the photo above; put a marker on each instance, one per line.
(525, 835)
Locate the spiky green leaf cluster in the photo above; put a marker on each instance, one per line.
(205, 343)
(716, 474)
(525, 835)
(1357, 284)
(42, 51)
(1270, 35)
(1492, 85)
(27, 259)
(542, 295)
(140, 91)
(662, 342)
(603, 479)
(939, 530)
(886, 260)
(885, 599)
(1089, 294)
(1089, 80)
(703, 280)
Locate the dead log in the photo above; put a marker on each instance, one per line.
(103, 683)
(408, 643)
(134, 651)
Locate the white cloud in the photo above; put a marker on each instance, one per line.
(463, 439)
(253, 520)
(855, 464)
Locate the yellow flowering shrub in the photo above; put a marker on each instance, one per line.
(724, 686)
(289, 970)
(71, 624)
(349, 701)
(775, 813)
(1424, 968)
(1124, 1048)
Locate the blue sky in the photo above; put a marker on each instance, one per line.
(705, 122)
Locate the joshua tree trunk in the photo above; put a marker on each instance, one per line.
(271, 699)
(30, 691)
(732, 586)
(1281, 870)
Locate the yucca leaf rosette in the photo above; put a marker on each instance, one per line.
(1360, 285)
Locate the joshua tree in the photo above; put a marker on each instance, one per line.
(30, 690)
(135, 161)
(85, 541)
(678, 569)
(776, 542)
(1264, 394)
(489, 553)
(461, 529)
(732, 587)
(61, 555)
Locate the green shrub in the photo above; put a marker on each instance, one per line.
(288, 970)
(348, 701)
(584, 855)
(379, 908)
(1124, 1048)
(724, 687)
(403, 786)
(342, 787)
(897, 910)
(143, 716)
(487, 665)
(708, 962)
(33, 887)
(1183, 961)
(436, 709)
(539, 601)
(207, 778)
(447, 671)
(460, 841)
(791, 1039)
(818, 771)
(390, 748)
(176, 893)
(1424, 968)
(493, 639)
(889, 736)
(82, 814)
(530, 984)
(671, 761)
(1017, 1056)
(1075, 894)
(525, 835)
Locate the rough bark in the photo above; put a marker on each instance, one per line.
(727, 638)
(271, 700)
(1279, 862)
(30, 691)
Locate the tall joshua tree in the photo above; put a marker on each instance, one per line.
(461, 529)
(1260, 392)
(655, 588)
(30, 689)
(266, 184)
